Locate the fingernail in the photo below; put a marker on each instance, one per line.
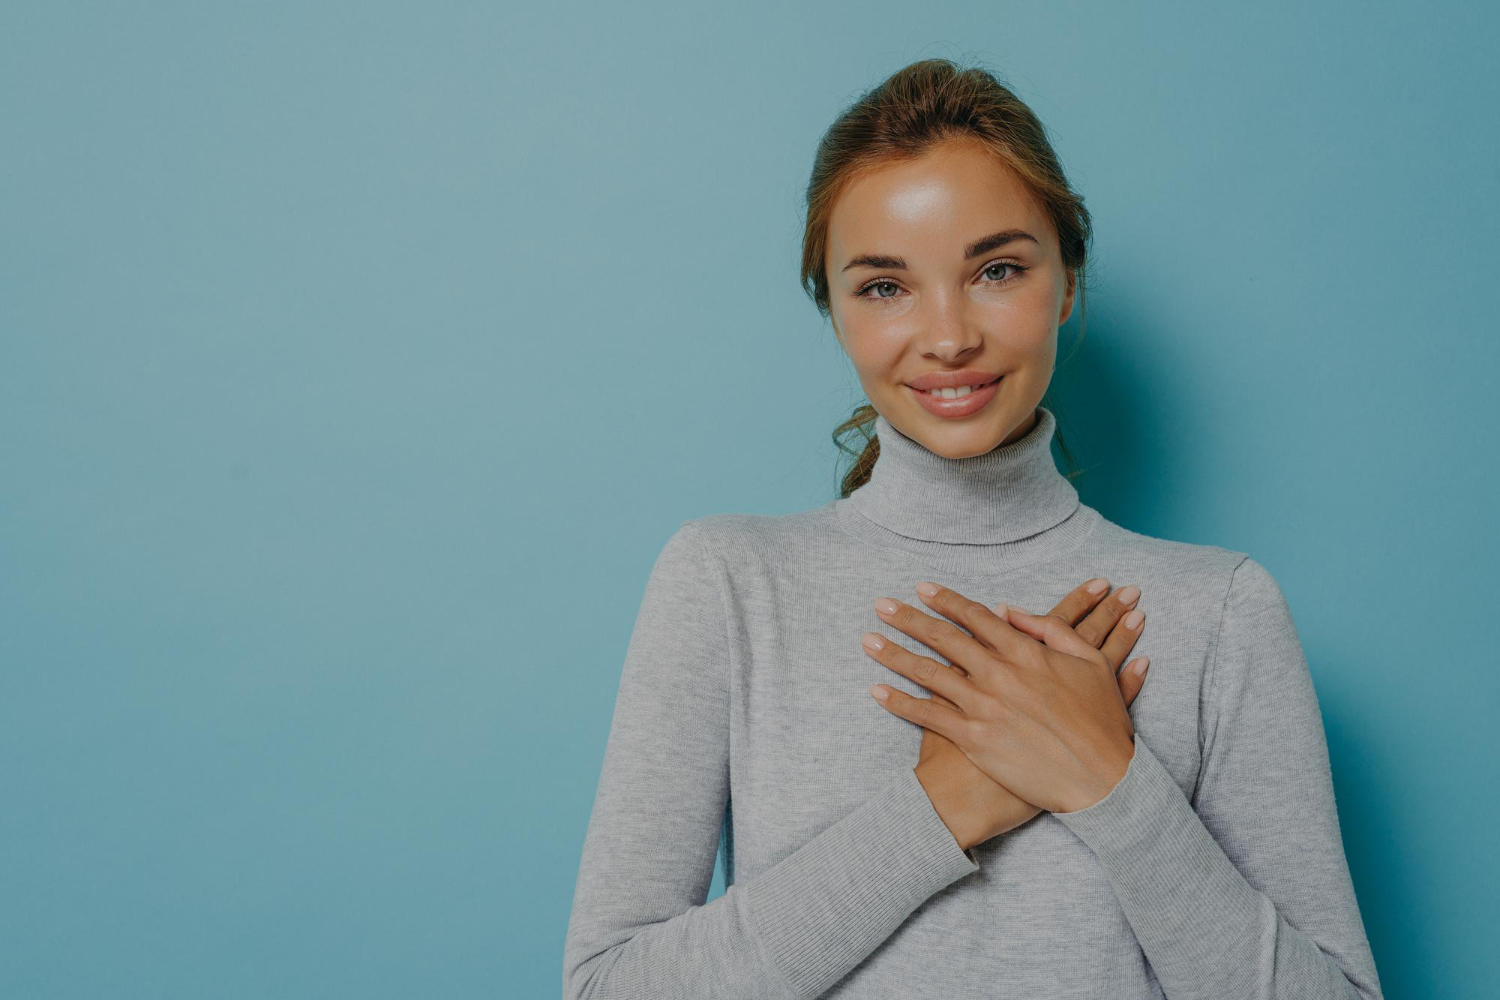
(886, 606)
(927, 589)
(873, 640)
(1002, 609)
(1140, 665)
(1097, 586)
(1133, 620)
(879, 692)
(1130, 594)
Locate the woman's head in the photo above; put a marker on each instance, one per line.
(942, 237)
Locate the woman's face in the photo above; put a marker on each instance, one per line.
(917, 286)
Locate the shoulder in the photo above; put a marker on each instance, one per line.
(1256, 608)
(1242, 587)
(1240, 602)
(1258, 653)
(1204, 571)
(1252, 587)
(757, 538)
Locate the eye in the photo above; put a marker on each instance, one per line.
(1020, 269)
(877, 283)
(993, 265)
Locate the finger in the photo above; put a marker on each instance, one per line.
(1056, 634)
(923, 711)
(1123, 638)
(942, 635)
(943, 701)
(940, 678)
(988, 628)
(1100, 621)
(1131, 682)
(1081, 600)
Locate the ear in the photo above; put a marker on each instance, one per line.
(1067, 306)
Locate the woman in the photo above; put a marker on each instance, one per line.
(1065, 831)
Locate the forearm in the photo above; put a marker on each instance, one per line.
(1205, 929)
(791, 931)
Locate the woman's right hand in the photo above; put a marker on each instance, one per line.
(973, 805)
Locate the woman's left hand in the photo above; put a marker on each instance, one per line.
(1049, 725)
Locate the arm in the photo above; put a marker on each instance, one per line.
(639, 927)
(1249, 895)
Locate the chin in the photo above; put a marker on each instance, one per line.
(976, 434)
(959, 439)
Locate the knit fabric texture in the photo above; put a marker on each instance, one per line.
(1215, 868)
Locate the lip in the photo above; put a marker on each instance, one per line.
(962, 407)
(952, 380)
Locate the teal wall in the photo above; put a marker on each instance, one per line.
(357, 359)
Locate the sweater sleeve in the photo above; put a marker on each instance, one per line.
(639, 926)
(1245, 892)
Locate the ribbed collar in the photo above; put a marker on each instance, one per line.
(967, 514)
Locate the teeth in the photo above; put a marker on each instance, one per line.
(958, 393)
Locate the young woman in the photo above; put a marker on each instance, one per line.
(1012, 818)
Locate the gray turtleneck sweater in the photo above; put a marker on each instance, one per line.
(1214, 868)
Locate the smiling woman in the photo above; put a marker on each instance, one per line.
(1012, 814)
(906, 320)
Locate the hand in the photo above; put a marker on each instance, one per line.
(1049, 724)
(973, 805)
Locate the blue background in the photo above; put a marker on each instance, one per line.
(357, 359)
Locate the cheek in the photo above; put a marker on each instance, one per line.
(873, 345)
(1025, 322)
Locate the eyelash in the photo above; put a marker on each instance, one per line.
(1020, 269)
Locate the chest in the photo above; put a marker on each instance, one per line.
(808, 743)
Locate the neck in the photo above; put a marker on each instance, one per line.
(1010, 498)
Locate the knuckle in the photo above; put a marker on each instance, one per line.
(1065, 612)
(1034, 655)
(942, 630)
(969, 612)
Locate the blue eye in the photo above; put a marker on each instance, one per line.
(877, 284)
(1004, 263)
(1019, 270)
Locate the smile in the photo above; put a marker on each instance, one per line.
(957, 401)
(958, 392)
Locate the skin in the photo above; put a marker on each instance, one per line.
(1029, 713)
(942, 311)
(1016, 724)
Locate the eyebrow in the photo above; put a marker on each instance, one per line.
(980, 246)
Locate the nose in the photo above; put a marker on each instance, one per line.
(949, 332)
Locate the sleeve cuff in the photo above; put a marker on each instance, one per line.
(1165, 866)
(850, 887)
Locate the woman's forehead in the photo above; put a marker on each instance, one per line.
(946, 192)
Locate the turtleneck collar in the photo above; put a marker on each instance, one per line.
(994, 506)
